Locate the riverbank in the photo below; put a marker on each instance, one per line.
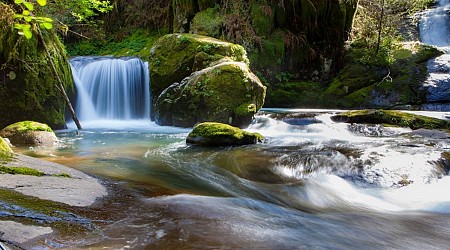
(38, 198)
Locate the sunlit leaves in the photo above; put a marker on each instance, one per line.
(42, 2)
(28, 18)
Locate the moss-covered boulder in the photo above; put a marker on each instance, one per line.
(391, 117)
(27, 84)
(29, 133)
(371, 84)
(227, 92)
(197, 78)
(218, 134)
(175, 56)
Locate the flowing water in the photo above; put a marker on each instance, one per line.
(314, 184)
(435, 30)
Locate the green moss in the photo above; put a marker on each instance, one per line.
(27, 126)
(137, 43)
(262, 18)
(295, 94)
(20, 171)
(207, 22)
(32, 95)
(219, 134)
(173, 57)
(392, 117)
(272, 53)
(4, 147)
(63, 175)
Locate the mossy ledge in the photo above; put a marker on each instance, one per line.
(214, 134)
(391, 117)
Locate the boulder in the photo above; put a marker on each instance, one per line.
(218, 134)
(197, 78)
(227, 92)
(175, 56)
(29, 133)
(391, 117)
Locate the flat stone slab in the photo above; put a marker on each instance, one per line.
(11, 231)
(79, 190)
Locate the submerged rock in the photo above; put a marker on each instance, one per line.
(219, 134)
(29, 133)
(197, 78)
(391, 117)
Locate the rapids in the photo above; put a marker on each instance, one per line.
(313, 184)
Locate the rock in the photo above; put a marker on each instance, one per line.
(391, 117)
(59, 183)
(227, 92)
(218, 134)
(29, 133)
(175, 56)
(11, 231)
(197, 78)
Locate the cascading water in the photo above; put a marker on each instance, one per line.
(111, 88)
(435, 30)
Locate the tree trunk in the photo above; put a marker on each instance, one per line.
(380, 26)
(59, 85)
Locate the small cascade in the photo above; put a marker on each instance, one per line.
(435, 30)
(111, 88)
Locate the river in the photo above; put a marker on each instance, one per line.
(314, 184)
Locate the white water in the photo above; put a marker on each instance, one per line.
(111, 89)
(435, 30)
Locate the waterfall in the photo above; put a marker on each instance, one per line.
(111, 88)
(435, 30)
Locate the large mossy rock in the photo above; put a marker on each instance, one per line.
(29, 133)
(227, 92)
(218, 134)
(373, 85)
(391, 117)
(175, 56)
(27, 83)
(197, 78)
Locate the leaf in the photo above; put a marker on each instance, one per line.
(47, 25)
(12, 75)
(42, 2)
(26, 12)
(28, 5)
(18, 16)
(18, 1)
(27, 33)
(28, 18)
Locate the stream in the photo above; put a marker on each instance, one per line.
(313, 184)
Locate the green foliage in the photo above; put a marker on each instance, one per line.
(207, 22)
(137, 44)
(27, 18)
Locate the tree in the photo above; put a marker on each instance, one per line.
(30, 19)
